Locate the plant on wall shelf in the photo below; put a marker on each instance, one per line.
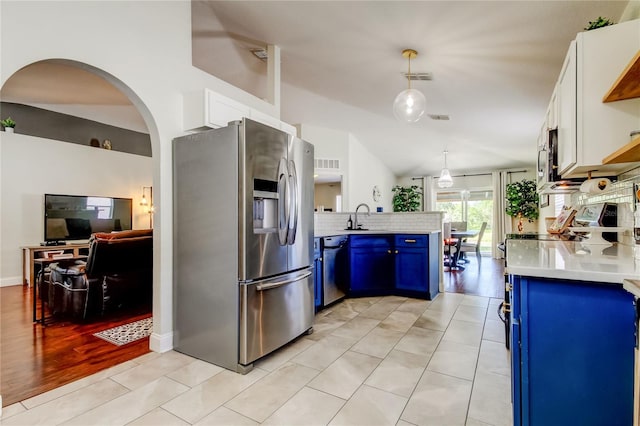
(599, 23)
(8, 123)
(522, 201)
(406, 198)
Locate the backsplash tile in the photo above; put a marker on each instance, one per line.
(403, 222)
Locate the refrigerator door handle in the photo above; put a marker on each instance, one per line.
(275, 284)
(293, 217)
(283, 202)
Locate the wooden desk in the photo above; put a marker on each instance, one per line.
(29, 253)
(44, 262)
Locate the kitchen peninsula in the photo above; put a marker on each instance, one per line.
(572, 332)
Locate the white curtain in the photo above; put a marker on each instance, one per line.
(429, 194)
(501, 224)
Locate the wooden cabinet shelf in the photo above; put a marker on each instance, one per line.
(626, 154)
(627, 86)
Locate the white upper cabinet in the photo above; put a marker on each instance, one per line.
(207, 109)
(588, 129)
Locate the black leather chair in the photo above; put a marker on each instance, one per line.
(118, 273)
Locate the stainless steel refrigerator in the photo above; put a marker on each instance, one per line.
(243, 242)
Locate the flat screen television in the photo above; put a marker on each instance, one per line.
(76, 217)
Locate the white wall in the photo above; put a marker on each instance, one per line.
(31, 167)
(365, 172)
(144, 49)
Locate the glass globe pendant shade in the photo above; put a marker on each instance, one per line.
(445, 180)
(409, 105)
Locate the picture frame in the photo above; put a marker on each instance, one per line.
(563, 220)
(544, 200)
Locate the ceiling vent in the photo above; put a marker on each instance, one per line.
(327, 164)
(440, 117)
(260, 54)
(418, 76)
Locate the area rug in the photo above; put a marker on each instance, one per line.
(127, 333)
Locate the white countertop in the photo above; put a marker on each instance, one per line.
(572, 260)
(372, 232)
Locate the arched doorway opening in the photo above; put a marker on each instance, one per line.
(62, 107)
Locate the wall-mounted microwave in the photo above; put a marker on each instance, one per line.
(549, 181)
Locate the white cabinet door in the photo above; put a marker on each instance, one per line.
(566, 112)
(263, 118)
(207, 109)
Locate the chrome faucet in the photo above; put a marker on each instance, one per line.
(355, 223)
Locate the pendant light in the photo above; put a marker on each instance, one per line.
(445, 180)
(410, 104)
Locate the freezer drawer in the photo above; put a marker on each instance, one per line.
(273, 312)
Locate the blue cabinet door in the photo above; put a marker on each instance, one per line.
(317, 274)
(370, 266)
(575, 355)
(411, 269)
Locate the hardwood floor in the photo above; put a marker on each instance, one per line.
(486, 279)
(35, 359)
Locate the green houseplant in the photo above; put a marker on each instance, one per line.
(599, 23)
(8, 124)
(522, 201)
(406, 198)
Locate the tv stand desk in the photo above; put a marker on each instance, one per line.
(29, 253)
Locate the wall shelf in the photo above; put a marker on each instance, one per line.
(626, 154)
(627, 86)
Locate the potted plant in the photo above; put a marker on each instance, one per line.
(522, 201)
(599, 23)
(8, 124)
(406, 198)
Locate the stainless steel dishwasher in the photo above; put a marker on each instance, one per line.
(334, 268)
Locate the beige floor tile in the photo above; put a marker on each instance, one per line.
(325, 326)
(455, 359)
(78, 384)
(222, 416)
(152, 369)
(475, 314)
(491, 399)
(419, 341)
(378, 342)
(438, 400)
(400, 321)
(195, 373)
(70, 405)
(494, 358)
(382, 309)
(494, 331)
(201, 400)
(446, 302)
(471, 300)
(370, 406)
(357, 328)
(434, 319)
(474, 422)
(264, 397)
(345, 375)
(417, 306)
(134, 404)
(469, 333)
(12, 410)
(308, 407)
(158, 417)
(361, 304)
(398, 373)
(276, 359)
(324, 352)
(403, 423)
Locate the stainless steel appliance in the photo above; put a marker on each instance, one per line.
(243, 242)
(548, 179)
(334, 268)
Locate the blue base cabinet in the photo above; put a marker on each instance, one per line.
(572, 352)
(317, 273)
(370, 265)
(393, 264)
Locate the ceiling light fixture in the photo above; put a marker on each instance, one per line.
(410, 104)
(445, 180)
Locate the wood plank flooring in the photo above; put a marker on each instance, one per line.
(35, 359)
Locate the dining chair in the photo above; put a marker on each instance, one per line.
(459, 226)
(450, 246)
(474, 246)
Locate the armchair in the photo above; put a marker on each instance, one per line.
(117, 273)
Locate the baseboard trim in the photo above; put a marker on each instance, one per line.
(161, 342)
(9, 281)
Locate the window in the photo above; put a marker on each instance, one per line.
(473, 207)
(103, 205)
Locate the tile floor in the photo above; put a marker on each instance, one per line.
(371, 361)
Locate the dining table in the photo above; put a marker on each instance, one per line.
(459, 236)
